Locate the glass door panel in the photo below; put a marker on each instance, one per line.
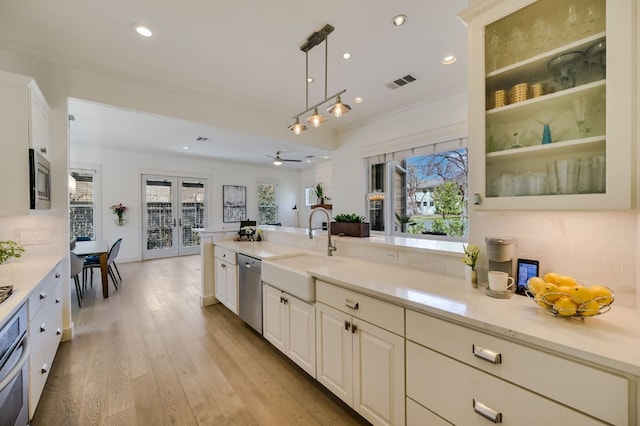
(159, 222)
(192, 208)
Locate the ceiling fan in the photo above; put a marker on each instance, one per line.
(277, 160)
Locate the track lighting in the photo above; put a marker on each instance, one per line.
(338, 108)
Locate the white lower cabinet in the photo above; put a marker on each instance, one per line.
(417, 415)
(45, 332)
(226, 278)
(360, 362)
(290, 325)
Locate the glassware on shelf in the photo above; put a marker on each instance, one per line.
(580, 113)
(563, 68)
(552, 179)
(584, 175)
(567, 173)
(572, 21)
(597, 55)
(598, 174)
(593, 16)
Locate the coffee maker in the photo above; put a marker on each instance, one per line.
(501, 252)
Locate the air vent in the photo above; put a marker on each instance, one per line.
(401, 81)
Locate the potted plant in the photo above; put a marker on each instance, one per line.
(9, 249)
(351, 225)
(320, 193)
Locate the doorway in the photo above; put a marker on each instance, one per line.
(171, 208)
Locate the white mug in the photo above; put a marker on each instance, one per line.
(500, 281)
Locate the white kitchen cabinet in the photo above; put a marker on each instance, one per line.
(226, 278)
(45, 332)
(24, 124)
(361, 362)
(487, 367)
(550, 105)
(290, 325)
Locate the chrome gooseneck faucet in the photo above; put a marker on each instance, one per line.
(330, 247)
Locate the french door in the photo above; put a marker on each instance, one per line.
(171, 208)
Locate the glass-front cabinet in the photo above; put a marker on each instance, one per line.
(550, 103)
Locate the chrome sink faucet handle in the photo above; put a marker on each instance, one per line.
(330, 247)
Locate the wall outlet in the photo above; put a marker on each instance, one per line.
(35, 237)
(391, 255)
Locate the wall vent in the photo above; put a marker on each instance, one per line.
(401, 81)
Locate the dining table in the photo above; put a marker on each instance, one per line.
(96, 248)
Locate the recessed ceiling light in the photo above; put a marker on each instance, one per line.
(307, 160)
(358, 100)
(325, 157)
(448, 60)
(346, 55)
(399, 20)
(309, 79)
(142, 30)
(185, 147)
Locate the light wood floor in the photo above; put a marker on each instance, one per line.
(150, 355)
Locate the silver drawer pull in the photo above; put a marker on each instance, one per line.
(43, 295)
(58, 300)
(351, 304)
(43, 328)
(58, 332)
(487, 412)
(57, 274)
(44, 369)
(487, 354)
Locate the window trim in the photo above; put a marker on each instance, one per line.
(96, 169)
(276, 184)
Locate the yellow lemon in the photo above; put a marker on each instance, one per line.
(550, 292)
(602, 294)
(583, 294)
(535, 284)
(565, 289)
(567, 281)
(540, 301)
(565, 306)
(551, 277)
(589, 309)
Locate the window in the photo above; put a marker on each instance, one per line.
(267, 203)
(82, 204)
(428, 190)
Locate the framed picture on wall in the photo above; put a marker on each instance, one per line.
(234, 203)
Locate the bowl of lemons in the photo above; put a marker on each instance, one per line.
(564, 296)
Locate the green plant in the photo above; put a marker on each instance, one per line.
(9, 249)
(319, 191)
(353, 218)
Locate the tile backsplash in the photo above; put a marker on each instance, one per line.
(39, 234)
(593, 247)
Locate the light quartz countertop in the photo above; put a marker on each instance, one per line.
(611, 339)
(24, 275)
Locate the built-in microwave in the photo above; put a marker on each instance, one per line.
(39, 181)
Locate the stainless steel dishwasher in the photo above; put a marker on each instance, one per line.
(250, 291)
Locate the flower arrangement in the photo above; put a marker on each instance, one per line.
(9, 249)
(119, 210)
(471, 252)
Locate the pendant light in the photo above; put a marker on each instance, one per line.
(337, 109)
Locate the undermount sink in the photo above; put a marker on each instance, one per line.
(291, 274)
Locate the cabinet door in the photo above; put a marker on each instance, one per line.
(378, 374)
(221, 281)
(334, 349)
(38, 121)
(273, 316)
(232, 287)
(547, 128)
(301, 333)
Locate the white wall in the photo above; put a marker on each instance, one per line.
(121, 183)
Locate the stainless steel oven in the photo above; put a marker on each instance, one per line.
(14, 371)
(39, 181)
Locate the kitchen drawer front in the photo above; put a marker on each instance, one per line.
(43, 292)
(228, 256)
(460, 393)
(39, 368)
(375, 311)
(48, 319)
(417, 415)
(601, 394)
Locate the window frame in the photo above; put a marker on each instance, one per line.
(95, 170)
(276, 201)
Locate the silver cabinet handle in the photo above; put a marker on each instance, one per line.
(44, 369)
(487, 354)
(43, 295)
(57, 274)
(247, 265)
(354, 329)
(347, 325)
(58, 300)
(43, 328)
(58, 332)
(223, 265)
(352, 304)
(224, 255)
(43, 150)
(487, 412)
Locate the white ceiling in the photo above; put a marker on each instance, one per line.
(247, 52)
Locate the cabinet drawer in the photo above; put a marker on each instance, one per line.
(460, 393)
(39, 368)
(601, 394)
(375, 311)
(47, 321)
(417, 415)
(225, 254)
(43, 292)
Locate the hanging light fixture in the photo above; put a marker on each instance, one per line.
(277, 160)
(338, 109)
